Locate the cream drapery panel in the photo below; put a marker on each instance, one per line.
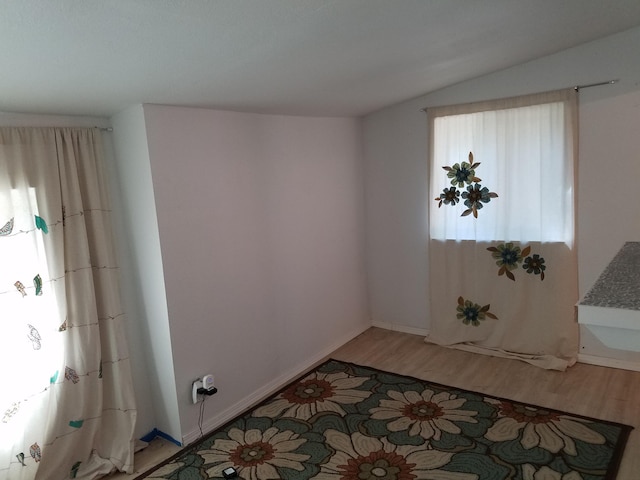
(67, 397)
(503, 268)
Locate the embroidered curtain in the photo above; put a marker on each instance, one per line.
(67, 403)
(503, 269)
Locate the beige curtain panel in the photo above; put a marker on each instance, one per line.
(502, 261)
(67, 399)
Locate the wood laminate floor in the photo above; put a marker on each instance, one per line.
(605, 393)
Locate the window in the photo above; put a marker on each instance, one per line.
(522, 147)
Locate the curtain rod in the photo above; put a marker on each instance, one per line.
(577, 88)
(105, 129)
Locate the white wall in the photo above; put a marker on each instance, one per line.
(143, 278)
(261, 230)
(396, 145)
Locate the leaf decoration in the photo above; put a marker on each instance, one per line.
(10, 412)
(474, 166)
(71, 374)
(41, 224)
(7, 228)
(20, 287)
(74, 470)
(76, 423)
(20, 458)
(35, 452)
(37, 282)
(54, 378)
(34, 336)
(505, 271)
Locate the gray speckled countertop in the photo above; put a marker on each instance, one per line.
(619, 284)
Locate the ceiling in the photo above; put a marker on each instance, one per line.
(301, 57)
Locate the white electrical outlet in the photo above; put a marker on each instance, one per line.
(194, 390)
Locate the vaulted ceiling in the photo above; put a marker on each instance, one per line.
(307, 57)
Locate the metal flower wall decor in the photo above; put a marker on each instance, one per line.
(471, 313)
(474, 196)
(509, 256)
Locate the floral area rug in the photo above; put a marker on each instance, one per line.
(347, 422)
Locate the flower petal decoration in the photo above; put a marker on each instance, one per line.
(425, 413)
(539, 427)
(318, 392)
(360, 457)
(255, 453)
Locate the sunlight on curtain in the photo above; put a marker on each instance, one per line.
(503, 270)
(67, 402)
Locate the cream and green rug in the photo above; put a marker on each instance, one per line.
(347, 422)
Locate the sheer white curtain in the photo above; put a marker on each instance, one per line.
(503, 271)
(67, 403)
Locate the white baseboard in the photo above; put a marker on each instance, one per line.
(609, 362)
(267, 390)
(402, 328)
